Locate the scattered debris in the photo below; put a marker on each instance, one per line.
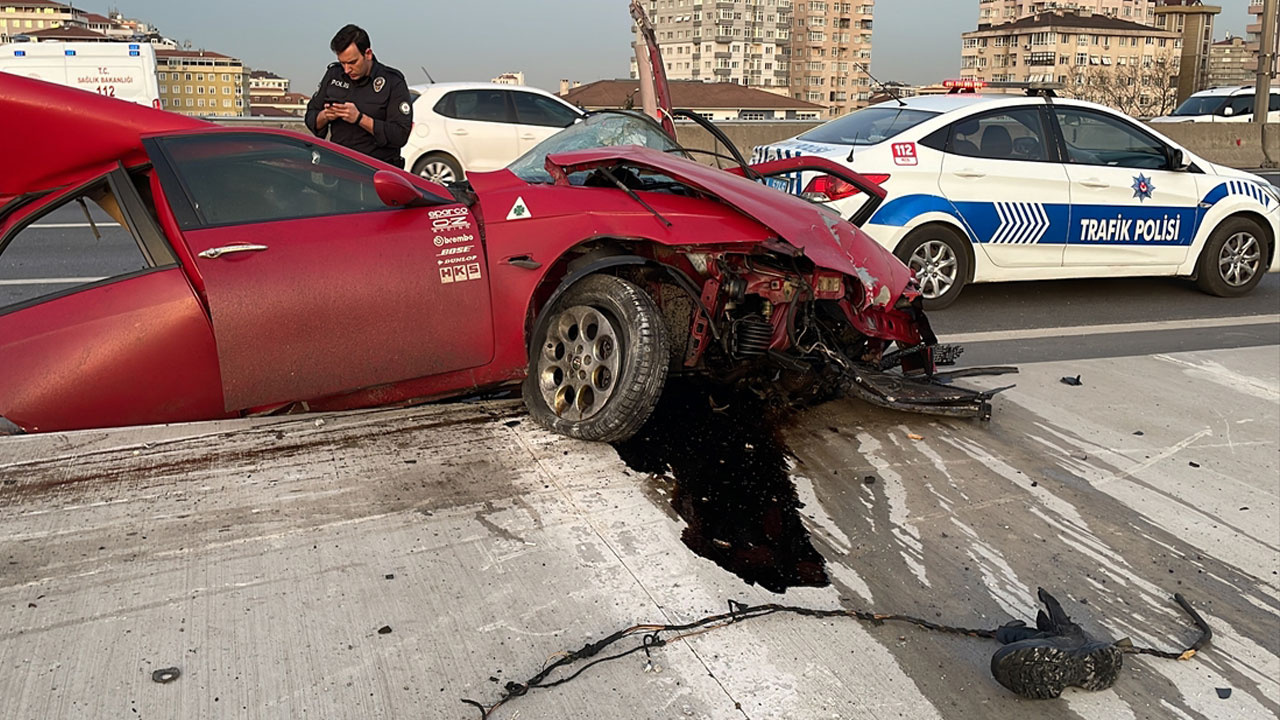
(384, 630)
(511, 423)
(1194, 464)
(1223, 693)
(319, 422)
(1038, 673)
(914, 436)
(1072, 381)
(166, 675)
(869, 480)
(1080, 456)
(391, 576)
(1138, 433)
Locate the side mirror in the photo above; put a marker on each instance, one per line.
(1178, 159)
(1228, 111)
(395, 191)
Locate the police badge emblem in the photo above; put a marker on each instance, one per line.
(404, 108)
(378, 83)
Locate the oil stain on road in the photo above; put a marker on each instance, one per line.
(723, 448)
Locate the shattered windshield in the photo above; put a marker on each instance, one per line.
(606, 129)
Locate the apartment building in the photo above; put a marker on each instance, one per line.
(1254, 31)
(20, 18)
(998, 12)
(1231, 63)
(746, 42)
(830, 54)
(202, 83)
(1124, 64)
(1193, 20)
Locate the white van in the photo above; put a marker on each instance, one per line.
(1225, 104)
(122, 70)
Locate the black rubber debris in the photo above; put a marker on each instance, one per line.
(166, 675)
(511, 423)
(1194, 464)
(384, 630)
(1223, 693)
(1072, 381)
(391, 576)
(869, 480)
(1138, 432)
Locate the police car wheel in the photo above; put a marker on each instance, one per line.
(939, 262)
(1234, 260)
(439, 169)
(598, 362)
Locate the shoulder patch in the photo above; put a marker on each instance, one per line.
(404, 108)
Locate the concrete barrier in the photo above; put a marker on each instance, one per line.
(1241, 145)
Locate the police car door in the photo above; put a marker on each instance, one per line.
(1002, 174)
(1129, 206)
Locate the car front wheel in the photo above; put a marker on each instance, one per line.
(439, 169)
(939, 261)
(598, 361)
(1234, 260)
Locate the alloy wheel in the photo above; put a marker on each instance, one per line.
(935, 265)
(580, 362)
(1240, 259)
(438, 172)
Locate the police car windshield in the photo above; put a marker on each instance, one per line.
(1201, 105)
(605, 129)
(868, 126)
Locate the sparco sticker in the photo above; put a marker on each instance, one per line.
(905, 154)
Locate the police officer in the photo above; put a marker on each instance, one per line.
(361, 103)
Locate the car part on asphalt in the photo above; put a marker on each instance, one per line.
(165, 676)
(1057, 668)
(1072, 381)
(1041, 662)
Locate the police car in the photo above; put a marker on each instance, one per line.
(990, 187)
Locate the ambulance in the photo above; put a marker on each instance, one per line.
(122, 70)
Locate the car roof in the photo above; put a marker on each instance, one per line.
(1232, 90)
(443, 87)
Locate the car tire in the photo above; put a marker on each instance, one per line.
(439, 168)
(598, 361)
(1234, 259)
(940, 260)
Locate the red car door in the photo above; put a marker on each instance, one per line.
(314, 286)
(99, 326)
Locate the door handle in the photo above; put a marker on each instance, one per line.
(218, 252)
(967, 173)
(528, 136)
(459, 132)
(1095, 183)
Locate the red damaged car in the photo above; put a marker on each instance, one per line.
(250, 271)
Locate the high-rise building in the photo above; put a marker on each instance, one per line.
(1124, 64)
(202, 83)
(1231, 63)
(1254, 41)
(740, 41)
(813, 50)
(997, 12)
(830, 54)
(1193, 20)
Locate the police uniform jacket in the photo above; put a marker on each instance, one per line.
(383, 95)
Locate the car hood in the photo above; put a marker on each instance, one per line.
(1230, 172)
(825, 238)
(71, 130)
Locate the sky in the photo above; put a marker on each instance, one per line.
(582, 40)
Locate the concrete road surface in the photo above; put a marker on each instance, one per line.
(389, 564)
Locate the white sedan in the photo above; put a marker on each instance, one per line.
(1007, 187)
(477, 127)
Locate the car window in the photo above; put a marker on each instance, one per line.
(1241, 105)
(868, 126)
(84, 238)
(482, 105)
(1094, 138)
(1016, 134)
(1275, 103)
(235, 179)
(1203, 105)
(534, 109)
